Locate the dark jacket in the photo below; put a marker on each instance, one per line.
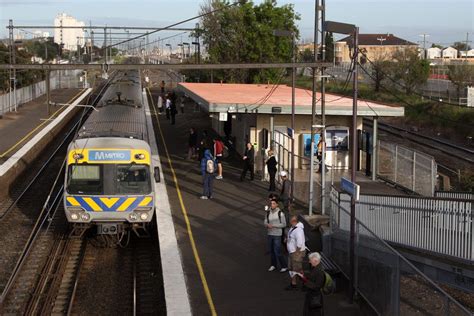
(192, 141)
(250, 153)
(315, 279)
(285, 190)
(271, 164)
(207, 156)
(314, 282)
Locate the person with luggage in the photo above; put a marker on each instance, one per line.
(272, 169)
(248, 158)
(208, 169)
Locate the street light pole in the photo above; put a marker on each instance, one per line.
(354, 150)
(293, 101)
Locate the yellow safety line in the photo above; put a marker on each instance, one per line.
(207, 291)
(37, 127)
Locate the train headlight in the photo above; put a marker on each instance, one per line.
(85, 216)
(140, 156)
(77, 156)
(74, 216)
(143, 216)
(133, 216)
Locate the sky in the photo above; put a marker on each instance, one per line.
(445, 21)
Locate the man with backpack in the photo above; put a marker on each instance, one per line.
(208, 169)
(275, 223)
(218, 153)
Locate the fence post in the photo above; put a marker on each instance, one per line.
(433, 177)
(396, 164)
(413, 185)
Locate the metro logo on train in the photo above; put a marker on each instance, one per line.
(109, 155)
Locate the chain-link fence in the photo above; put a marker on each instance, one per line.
(58, 80)
(407, 168)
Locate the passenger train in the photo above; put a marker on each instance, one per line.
(109, 174)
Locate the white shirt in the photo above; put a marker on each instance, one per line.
(160, 102)
(296, 239)
(168, 103)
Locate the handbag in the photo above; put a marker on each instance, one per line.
(316, 300)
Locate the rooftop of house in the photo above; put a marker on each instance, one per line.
(378, 39)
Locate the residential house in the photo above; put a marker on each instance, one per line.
(450, 52)
(433, 53)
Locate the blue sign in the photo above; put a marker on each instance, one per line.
(307, 144)
(351, 188)
(109, 155)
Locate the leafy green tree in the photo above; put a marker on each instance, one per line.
(461, 76)
(329, 47)
(244, 33)
(461, 46)
(380, 69)
(410, 69)
(307, 55)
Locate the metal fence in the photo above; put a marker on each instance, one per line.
(455, 195)
(59, 79)
(439, 225)
(406, 168)
(387, 280)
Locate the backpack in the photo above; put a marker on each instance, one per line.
(329, 286)
(210, 168)
(279, 216)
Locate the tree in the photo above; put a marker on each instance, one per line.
(461, 46)
(307, 55)
(461, 76)
(380, 69)
(410, 69)
(244, 33)
(329, 47)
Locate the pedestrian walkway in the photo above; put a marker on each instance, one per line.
(18, 127)
(225, 257)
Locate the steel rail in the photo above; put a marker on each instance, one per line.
(412, 137)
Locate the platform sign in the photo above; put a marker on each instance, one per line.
(351, 188)
(223, 117)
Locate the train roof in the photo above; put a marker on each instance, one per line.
(109, 143)
(116, 120)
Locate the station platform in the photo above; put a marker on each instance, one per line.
(18, 127)
(222, 241)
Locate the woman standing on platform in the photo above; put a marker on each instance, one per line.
(249, 157)
(272, 169)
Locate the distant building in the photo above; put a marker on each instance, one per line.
(433, 52)
(375, 46)
(450, 52)
(468, 53)
(69, 37)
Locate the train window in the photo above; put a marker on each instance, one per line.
(85, 179)
(133, 179)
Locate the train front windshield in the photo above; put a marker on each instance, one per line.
(109, 179)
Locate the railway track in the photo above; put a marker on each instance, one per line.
(452, 150)
(27, 230)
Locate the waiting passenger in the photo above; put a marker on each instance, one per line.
(275, 223)
(295, 244)
(208, 168)
(248, 158)
(285, 193)
(192, 143)
(272, 169)
(314, 282)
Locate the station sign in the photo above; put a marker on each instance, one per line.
(350, 188)
(223, 116)
(109, 155)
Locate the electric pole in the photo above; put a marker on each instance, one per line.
(424, 45)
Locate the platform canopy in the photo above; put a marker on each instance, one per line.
(276, 99)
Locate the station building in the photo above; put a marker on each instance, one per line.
(260, 113)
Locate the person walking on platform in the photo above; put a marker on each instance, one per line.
(275, 223)
(218, 153)
(160, 104)
(168, 106)
(173, 111)
(192, 143)
(285, 192)
(295, 244)
(162, 86)
(272, 169)
(208, 168)
(314, 282)
(248, 158)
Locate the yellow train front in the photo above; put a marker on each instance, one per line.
(109, 176)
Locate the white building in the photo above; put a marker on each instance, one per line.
(433, 52)
(450, 52)
(69, 37)
(468, 53)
